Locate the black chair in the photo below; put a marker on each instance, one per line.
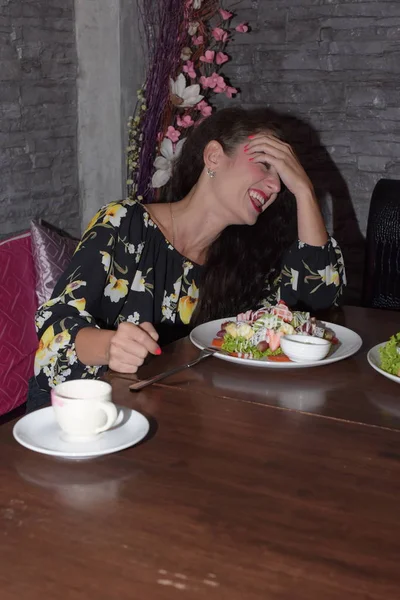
(381, 285)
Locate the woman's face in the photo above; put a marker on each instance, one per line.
(245, 188)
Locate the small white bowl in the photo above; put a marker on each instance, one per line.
(304, 348)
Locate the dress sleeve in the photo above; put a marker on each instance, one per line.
(312, 277)
(78, 301)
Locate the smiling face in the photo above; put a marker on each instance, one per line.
(243, 189)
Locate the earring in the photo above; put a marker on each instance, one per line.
(210, 173)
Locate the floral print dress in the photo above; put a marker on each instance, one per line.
(124, 269)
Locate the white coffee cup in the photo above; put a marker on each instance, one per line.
(83, 408)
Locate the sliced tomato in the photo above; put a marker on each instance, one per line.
(274, 339)
(217, 342)
(279, 358)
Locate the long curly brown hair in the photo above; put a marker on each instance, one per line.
(243, 261)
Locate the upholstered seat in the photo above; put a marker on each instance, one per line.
(381, 286)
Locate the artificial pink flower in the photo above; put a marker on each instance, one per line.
(242, 28)
(225, 14)
(220, 35)
(189, 69)
(204, 108)
(198, 41)
(221, 58)
(208, 56)
(173, 134)
(204, 82)
(215, 82)
(229, 91)
(185, 121)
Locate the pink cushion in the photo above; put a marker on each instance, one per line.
(18, 340)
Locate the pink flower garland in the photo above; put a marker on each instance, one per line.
(198, 76)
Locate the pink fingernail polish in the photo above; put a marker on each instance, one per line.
(158, 351)
(250, 137)
(250, 159)
(246, 148)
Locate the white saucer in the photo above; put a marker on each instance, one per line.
(40, 432)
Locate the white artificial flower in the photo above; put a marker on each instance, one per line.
(164, 163)
(193, 27)
(197, 4)
(186, 53)
(186, 95)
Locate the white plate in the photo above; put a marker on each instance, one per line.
(374, 360)
(40, 432)
(350, 342)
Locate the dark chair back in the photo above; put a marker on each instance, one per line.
(381, 285)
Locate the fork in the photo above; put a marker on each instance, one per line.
(139, 385)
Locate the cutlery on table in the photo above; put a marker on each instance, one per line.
(139, 385)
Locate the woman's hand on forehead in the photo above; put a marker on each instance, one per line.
(267, 149)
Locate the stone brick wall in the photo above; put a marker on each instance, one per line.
(335, 66)
(38, 115)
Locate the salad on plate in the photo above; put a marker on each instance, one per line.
(257, 334)
(390, 355)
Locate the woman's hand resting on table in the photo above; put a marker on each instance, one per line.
(130, 345)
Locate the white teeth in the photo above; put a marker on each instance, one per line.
(257, 197)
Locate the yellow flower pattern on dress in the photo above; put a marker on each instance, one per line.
(79, 304)
(188, 303)
(124, 270)
(116, 289)
(49, 345)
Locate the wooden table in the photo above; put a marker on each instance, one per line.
(239, 492)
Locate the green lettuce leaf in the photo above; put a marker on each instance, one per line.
(240, 344)
(390, 358)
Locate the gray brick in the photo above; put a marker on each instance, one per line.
(38, 115)
(372, 164)
(45, 36)
(378, 145)
(53, 144)
(296, 94)
(10, 70)
(46, 93)
(9, 92)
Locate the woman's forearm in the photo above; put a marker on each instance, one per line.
(311, 226)
(92, 345)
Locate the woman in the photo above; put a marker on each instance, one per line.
(224, 239)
